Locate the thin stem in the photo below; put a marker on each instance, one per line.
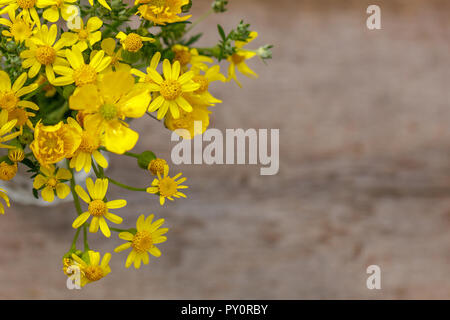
(200, 19)
(131, 154)
(75, 238)
(152, 116)
(125, 186)
(86, 244)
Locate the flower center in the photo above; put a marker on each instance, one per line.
(157, 165)
(108, 111)
(185, 121)
(170, 89)
(93, 273)
(7, 171)
(84, 75)
(8, 100)
(45, 55)
(237, 59)
(20, 114)
(52, 182)
(83, 34)
(133, 42)
(51, 144)
(26, 4)
(20, 30)
(97, 208)
(203, 82)
(167, 187)
(183, 56)
(142, 241)
(89, 143)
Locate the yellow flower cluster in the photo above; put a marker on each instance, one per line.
(70, 88)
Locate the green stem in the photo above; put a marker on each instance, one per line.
(125, 186)
(86, 244)
(131, 154)
(200, 19)
(75, 238)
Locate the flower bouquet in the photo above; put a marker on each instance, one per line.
(74, 74)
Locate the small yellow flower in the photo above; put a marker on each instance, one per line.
(79, 72)
(20, 27)
(28, 7)
(157, 166)
(7, 171)
(92, 270)
(106, 106)
(189, 124)
(4, 196)
(132, 42)
(188, 56)
(202, 95)
(52, 182)
(143, 242)
(84, 35)
(145, 78)
(54, 143)
(167, 187)
(64, 6)
(171, 90)
(16, 155)
(98, 208)
(237, 60)
(162, 11)
(5, 128)
(109, 46)
(102, 2)
(90, 142)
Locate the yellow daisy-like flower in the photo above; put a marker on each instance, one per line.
(171, 89)
(143, 242)
(102, 2)
(20, 27)
(51, 181)
(202, 95)
(52, 144)
(85, 34)
(189, 124)
(132, 42)
(162, 11)
(106, 106)
(79, 72)
(4, 196)
(7, 171)
(43, 50)
(188, 56)
(10, 94)
(92, 270)
(237, 60)
(98, 208)
(167, 187)
(5, 129)
(109, 46)
(90, 142)
(66, 8)
(28, 7)
(145, 78)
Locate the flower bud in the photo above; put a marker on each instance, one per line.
(157, 166)
(145, 158)
(16, 155)
(7, 171)
(264, 52)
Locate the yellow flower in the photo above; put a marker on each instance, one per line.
(102, 2)
(84, 35)
(5, 129)
(20, 28)
(67, 9)
(157, 166)
(162, 11)
(171, 89)
(143, 242)
(10, 95)
(90, 142)
(188, 56)
(43, 50)
(51, 181)
(132, 42)
(80, 73)
(98, 208)
(202, 95)
(7, 171)
(92, 270)
(237, 60)
(109, 46)
(145, 78)
(52, 144)
(167, 187)
(16, 155)
(185, 126)
(4, 197)
(106, 106)
(28, 7)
